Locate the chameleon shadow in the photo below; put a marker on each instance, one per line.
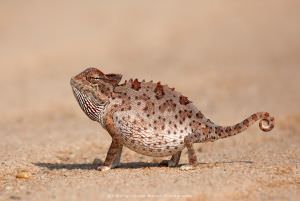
(91, 166)
(130, 165)
(68, 166)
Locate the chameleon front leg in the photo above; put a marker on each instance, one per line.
(118, 158)
(173, 161)
(113, 155)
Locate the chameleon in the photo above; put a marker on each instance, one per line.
(150, 118)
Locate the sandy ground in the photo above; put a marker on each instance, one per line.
(231, 58)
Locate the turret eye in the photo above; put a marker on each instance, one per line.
(93, 80)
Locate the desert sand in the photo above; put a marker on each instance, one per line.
(231, 58)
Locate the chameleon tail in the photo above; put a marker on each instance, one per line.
(266, 123)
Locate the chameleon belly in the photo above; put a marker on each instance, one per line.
(150, 137)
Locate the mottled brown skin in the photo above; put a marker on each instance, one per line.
(150, 118)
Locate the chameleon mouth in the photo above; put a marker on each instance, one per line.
(73, 83)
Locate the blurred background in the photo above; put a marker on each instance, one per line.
(196, 46)
(231, 58)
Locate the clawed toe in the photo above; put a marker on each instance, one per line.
(103, 168)
(187, 167)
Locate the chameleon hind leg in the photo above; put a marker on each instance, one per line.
(189, 141)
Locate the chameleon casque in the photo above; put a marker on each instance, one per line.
(150, 118)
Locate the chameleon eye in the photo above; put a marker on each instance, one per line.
(93, 80)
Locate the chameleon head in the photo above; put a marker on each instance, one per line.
(92, 89)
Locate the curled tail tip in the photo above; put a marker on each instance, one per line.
(267, 122)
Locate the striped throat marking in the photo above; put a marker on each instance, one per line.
(91, 109)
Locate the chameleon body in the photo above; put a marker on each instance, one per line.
(150, 118)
